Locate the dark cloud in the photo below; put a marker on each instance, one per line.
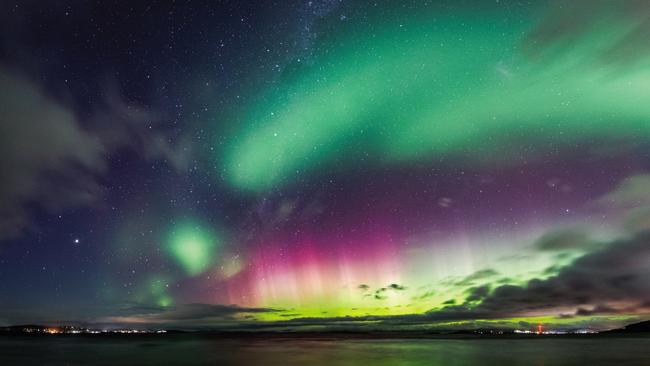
(568, 23)
(551, 270)
(631, 193)
(477, 276)
(425, 295)
(609, 310)
(11, 314)
(380, 294)
(638, 219)
(201, 311)
(477, 293)
(131, 308)
(598, 310)
(619, 272)
(632, 197)
(594, 284)
(191, 315)
(126, 125)
(37, 146)
(276, 212)
(50, 160)
(564, 241)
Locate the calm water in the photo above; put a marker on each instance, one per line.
(188, 350)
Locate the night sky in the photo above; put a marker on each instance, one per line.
(332, 164)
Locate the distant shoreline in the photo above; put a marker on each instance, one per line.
(641, 329)
(325, 336)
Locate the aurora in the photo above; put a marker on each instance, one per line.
(428, 87)
(326, 165)
(193, 247)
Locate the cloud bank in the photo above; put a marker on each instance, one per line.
(50, 160)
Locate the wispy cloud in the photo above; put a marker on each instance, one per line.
(52, 160)
(190, 315)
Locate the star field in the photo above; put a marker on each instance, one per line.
(325, 164)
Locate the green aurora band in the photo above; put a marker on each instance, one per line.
(193, 247)
(425, 87)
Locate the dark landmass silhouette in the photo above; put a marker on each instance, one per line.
(641, 327)
(64, 330)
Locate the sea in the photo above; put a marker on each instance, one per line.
(201, 350)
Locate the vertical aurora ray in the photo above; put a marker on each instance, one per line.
(377, 275)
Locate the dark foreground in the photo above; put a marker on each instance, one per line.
(190, 349)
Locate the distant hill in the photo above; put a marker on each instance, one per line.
(19, 328)
(642, 327)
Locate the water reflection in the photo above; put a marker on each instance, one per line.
(192, 350)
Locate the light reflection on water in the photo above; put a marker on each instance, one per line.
(192, 350)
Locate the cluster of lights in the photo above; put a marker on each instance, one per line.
(134, 331)
(489, 331)
(555, 332)
(74, 330)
